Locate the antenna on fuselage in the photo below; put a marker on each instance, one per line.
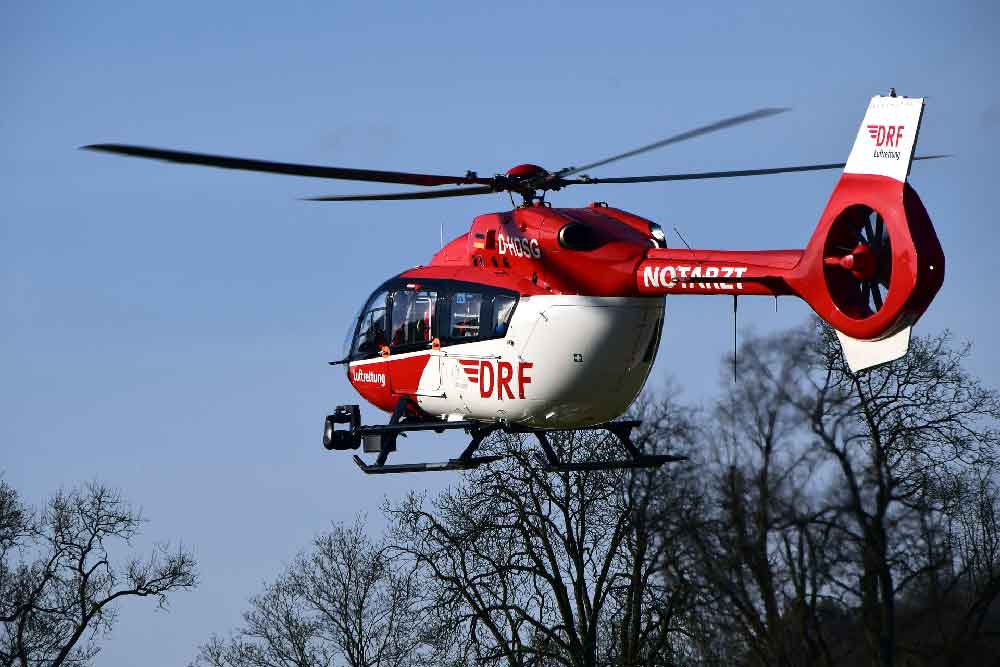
(734, 337)
(678, 232)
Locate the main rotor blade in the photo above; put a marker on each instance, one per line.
(420, 194)
(313, 171)
(683, 136)
(723, 174)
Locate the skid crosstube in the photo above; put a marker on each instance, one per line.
(620, 429)
(401, 422)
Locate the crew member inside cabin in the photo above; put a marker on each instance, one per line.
(412, 317)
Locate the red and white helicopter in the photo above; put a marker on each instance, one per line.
(543, 319)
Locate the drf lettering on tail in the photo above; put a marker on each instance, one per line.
(886, 135)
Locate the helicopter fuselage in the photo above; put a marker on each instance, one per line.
(564, 361)
(533, 317)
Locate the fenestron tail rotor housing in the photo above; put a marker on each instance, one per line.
(858, 261)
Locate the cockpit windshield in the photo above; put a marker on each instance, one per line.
(345, 348)
(371, 334)
(406, 317)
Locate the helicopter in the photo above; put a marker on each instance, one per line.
(542, 319)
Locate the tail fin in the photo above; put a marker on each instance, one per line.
(887, 138)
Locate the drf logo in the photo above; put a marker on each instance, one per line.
(886, 135)
(494, 378)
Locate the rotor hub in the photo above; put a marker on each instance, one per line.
(526, 172)
(529, 181)
(861, 262)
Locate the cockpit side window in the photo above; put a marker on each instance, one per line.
(465, 311)
(372, 327)
(472, 314)
(503, 310)
(413, 318)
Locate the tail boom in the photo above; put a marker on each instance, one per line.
(873, 264)
(682, 271)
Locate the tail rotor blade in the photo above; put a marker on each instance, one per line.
(876, 295)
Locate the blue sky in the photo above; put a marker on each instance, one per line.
(165, 329)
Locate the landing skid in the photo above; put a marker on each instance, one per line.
(382, 439)
(450, 464)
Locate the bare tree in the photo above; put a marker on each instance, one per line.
(279, 630)
(844, 493)
(657, 615)
(948, 615)
(16, 525)
(58, 598)
(538, 568)
(899, 435)
(762, 557)
(344, 598)
(827, 518)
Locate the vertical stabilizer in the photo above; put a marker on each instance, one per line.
(887, 138)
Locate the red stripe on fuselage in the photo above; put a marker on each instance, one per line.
(383, 382)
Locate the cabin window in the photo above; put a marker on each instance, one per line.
(478, 315)
(372, 327)
(412, 318)
(503, 310)
(465, 311)
(654, 342)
